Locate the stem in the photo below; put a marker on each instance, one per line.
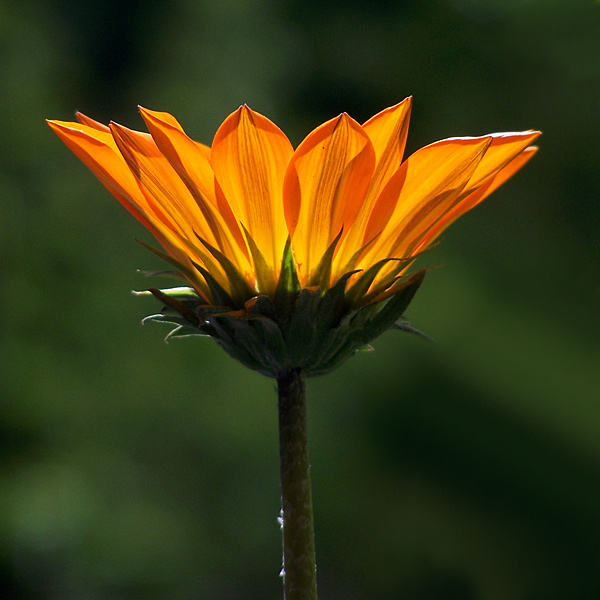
(299, 567)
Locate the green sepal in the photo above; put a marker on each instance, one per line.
(334, 304)
(375, 296)
(183, 331)
(361, 326)
(256, 342)
(219, 296)
(354, 258)
(177, 305)
(322, 274)
(406, 326)
(186, 271)
(265, 277)
(320, 331)
(263, 306)
(300, 332)
(288, 286)
(393, 308)
(240, 290)
(359, 289)
(172, 261)
(164, 273)
(171, 319)
(183, 293)
(182, 326)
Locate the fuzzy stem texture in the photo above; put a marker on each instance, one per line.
(299, 567)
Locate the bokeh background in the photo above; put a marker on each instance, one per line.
(467, 469)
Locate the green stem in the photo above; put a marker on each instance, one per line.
(299, 567)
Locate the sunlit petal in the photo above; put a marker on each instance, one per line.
(387, 131)
(427, 185)
(98, 151)
(325, 186)
(471, 200)
(192, 165)
(249, 157)
(502, 150)
(356, 214)
(85, 120)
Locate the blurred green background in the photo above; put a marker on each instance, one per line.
(467, 469)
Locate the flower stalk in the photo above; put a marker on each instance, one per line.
(299, 566)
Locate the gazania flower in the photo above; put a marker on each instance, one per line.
(292, 258)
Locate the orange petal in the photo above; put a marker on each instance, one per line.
(249, 157)
(474, 198)
(189, 160)
(387, 131)
(206, 151)
(98, 151)
(502, 150)
(159, 181)
(85, 120)
(426, 185)
(163, 187)
(325, 186)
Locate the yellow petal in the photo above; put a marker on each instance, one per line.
(325, 186)
(475, 197)
(428, 182)
(387, 131)
(249, 157)
(191, 163)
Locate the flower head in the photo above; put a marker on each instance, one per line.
(293, 258)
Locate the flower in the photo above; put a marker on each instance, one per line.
(306, 249)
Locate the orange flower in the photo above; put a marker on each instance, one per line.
(352, 209)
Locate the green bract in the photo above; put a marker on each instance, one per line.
(308, 329)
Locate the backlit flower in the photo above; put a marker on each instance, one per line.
(306, 249)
